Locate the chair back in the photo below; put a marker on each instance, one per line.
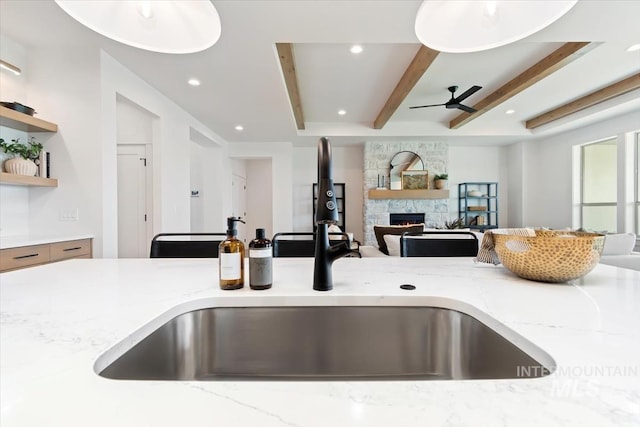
(292, 246)
(186, 245)
(430, 244)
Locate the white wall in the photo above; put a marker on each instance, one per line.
(547, 173)
(64, 87)
(347, 167)
(479, 164)
(515, 200)
(259, 197)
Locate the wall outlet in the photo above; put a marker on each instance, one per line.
(69, 214)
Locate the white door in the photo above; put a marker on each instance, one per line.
(239, 203)
(134, 201)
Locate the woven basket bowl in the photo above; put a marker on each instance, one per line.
(550, 256)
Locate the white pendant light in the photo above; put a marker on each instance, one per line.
(182, 26)
(475, 25)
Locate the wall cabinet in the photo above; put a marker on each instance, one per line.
(24, 122)
(339, 189)
(478, 204)
(29, 256)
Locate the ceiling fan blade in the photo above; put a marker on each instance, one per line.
(468, 93)
(432, 105)
(467, 109)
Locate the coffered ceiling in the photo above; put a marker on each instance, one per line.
(580, 60)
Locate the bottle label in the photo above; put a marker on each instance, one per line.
(230, 266)
(260, 267)
(260, 253)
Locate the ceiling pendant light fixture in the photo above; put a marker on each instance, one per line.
(475, 25)
(182, 26)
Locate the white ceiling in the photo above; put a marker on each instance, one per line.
(242, 82)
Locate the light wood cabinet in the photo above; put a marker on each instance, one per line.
(29, 256)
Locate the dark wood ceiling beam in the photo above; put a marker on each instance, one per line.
(285, 53)
(423, 60)
(561, 57)
(619, 88)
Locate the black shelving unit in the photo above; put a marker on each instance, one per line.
(479, 211)
(339, 189)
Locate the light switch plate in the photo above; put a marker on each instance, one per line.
(69, 214)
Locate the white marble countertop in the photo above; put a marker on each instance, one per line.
(7, 242)
(58, 319)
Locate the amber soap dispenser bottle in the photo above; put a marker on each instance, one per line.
(231, 258)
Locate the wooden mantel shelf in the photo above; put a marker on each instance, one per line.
(374, 193)
(24, 122)
(35, 181)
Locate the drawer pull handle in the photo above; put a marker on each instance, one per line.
(72, 249)
(25, 256)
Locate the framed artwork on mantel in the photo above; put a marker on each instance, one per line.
(415, 180)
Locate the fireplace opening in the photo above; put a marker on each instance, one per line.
(406, 218)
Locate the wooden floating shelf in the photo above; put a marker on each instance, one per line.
(34, 181)
(24, 122)
(376, 194)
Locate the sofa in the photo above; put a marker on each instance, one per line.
(388, 239)
(618, 251)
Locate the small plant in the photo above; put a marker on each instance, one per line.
(29, 151)
(454, 224)
(443, 176)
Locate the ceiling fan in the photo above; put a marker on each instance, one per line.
(455, 102)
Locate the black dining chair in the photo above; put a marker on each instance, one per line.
(438, 244)
(302, 244)
(186, 245)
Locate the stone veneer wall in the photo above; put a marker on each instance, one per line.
(377, 156)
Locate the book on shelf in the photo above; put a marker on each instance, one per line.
(44, 164)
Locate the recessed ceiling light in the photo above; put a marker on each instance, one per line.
(356, 48)
(342, 112)
(633, 48)
(239, 128)
(194, 82)
(510, 111)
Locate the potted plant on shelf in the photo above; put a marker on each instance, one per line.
(24, 163)
(440, 181)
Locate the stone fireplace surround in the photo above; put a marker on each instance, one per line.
(377, 155)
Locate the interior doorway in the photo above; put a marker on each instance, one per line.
(134, 200)
(239, 203)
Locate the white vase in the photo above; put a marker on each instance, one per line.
(20, 166)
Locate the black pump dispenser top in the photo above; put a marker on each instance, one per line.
(231, 226)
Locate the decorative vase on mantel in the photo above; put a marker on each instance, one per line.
(439, 184)
(440, 181)
(20, 166)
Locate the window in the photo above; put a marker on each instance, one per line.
(637, 183)
(599, 186)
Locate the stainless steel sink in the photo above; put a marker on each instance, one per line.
(324, 343)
